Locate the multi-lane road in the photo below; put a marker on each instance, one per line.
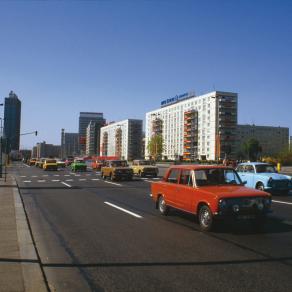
(100, 235)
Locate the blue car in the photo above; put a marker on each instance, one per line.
(264, 176)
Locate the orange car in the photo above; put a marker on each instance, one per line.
(99, 161)
(210, 192)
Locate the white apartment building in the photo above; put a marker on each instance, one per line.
(122, 139)
(195, 127)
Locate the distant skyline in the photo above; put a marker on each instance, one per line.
(122, 58)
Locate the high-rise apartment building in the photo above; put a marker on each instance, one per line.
(69, 144)
(84, 120)
(272, 140)
(12, 116)
(47, 150)
(195, 127)
(122, 139)
(92, 138)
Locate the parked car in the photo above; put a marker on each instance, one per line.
(50, 164)
(116, 170)
(78, 165)
(210, 192)
(144, 168)
(264, 176)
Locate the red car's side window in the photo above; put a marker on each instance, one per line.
(173, 176)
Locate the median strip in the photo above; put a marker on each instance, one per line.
(281, 202)
(66, 184)
(124, 210)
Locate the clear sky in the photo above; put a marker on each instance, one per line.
(123, 57)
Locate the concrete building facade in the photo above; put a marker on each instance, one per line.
(84, 120)
(272, 139)
(93, 138)
(195, 127)
(47, 150)
(69, 144)
(122, 139)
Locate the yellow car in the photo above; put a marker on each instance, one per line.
(32, 161)
(144, 168)
(50, 164)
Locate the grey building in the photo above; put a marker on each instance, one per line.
(84, 120)
(47, 150)
(12, 116)
(69, 144)
(271, 139)
(92, 138)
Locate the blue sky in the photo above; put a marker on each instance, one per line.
(123, 57)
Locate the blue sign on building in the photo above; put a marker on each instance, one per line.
(176, 99)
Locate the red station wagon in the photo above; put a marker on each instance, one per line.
(209, 192)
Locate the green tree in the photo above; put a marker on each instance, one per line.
(155, 146)
(252, 149)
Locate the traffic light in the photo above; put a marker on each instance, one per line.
(36, 133)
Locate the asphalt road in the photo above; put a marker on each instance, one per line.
(86, 242)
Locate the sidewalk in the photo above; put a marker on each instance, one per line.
(19, 266)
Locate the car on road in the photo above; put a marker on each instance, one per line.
(144, 168)
(78, 165)
(41, 162)
(50, 164)
(32, 161)
(116, 170)
(210, 192)
(264, 176)
(61, 164)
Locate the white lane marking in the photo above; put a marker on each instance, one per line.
(82, 179)
(26, 165)
(77, 174)
(34, 176)
(72, 173)
(95, 179)
(69, 179)
(112, 183)
(66, 184)
(27, 181)
(41, 180)
(54, 180)
(124, 210)
(67, 175)
(281, 202)
(88, 174)
(23, 176)
(45, 175)
(157, 178)
(148, 181)
(144, 178)
(56, 175)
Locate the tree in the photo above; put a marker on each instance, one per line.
(155, 146)
(252, 149)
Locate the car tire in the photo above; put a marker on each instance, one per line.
(140, 173)
(260, 186)
(102, 176)
(162, 207)
(112, 178)
(205, 218)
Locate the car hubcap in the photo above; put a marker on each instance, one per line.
(205, 218)
(162, 205)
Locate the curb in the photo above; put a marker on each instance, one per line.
(33, 275)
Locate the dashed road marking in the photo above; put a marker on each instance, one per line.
(55, 180)
(27, 181)
(95, 179)
(41, 180)
(56, 175)
(82, 179)
(67, 175)
(66, 184)
(23, 176)
(87, 174)
(34, 176)
(281, 202)
(45, 175)
(124, 210)
(112, 183)
(69, 180)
